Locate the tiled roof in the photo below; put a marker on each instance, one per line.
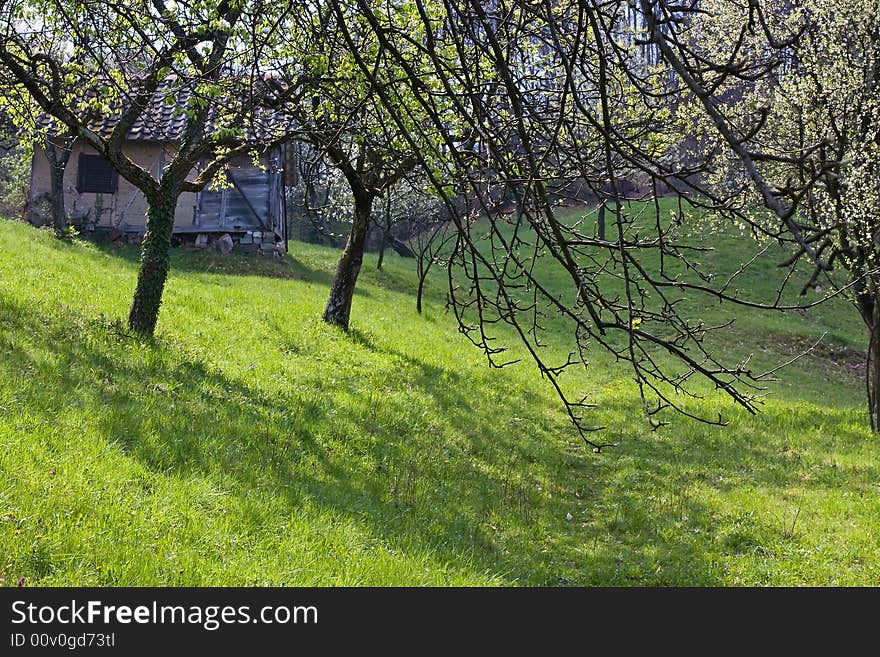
(164, 118)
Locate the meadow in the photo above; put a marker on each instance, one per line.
(251, 444)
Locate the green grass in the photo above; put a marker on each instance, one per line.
(251, 444)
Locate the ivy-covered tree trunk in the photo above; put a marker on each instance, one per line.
(338, 308)
(154, 259)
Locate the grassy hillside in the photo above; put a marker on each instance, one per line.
(250, 444)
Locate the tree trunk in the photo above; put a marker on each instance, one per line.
(386, 231)
(154, 259)
(59, 214)
(381, 252)
(600, 222)
(338, 308)
(872, 376)
(384, 242)
(57, 166)
(420, 291)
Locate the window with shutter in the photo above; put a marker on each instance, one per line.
(95, 175)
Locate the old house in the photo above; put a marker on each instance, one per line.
(248, 205)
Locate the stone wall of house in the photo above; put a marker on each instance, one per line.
(251, 242)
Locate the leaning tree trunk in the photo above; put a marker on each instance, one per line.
(338, 308)
(155, 252)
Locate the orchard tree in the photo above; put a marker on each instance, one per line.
(340, 116)
(520, 109)
(788, 97)
(95, 67)
(430, 232)
(22, 116)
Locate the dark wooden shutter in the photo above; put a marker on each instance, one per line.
(95, 175)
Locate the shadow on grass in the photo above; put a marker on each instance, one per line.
(467, 488)
(462, 487)
(235, 264)
(211, 262)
